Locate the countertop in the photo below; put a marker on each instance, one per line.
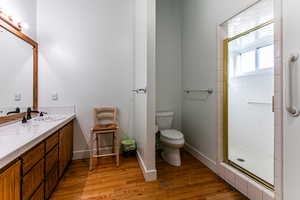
(17, 138)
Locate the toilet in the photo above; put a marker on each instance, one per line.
(171, 139)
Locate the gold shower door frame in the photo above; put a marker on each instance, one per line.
(225, 106)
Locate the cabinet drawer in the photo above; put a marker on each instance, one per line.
(39, 194)
(51, 181)
(51, 141)
(10, 180)
(51, 159)
(32, 179)
(32, 157)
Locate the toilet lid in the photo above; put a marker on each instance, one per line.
(171, 134)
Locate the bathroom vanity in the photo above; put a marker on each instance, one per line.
(34, 156)
(34, 150)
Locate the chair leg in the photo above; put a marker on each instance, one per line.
(91, 150)
(117, 149)
(113, 143)
(97, 146)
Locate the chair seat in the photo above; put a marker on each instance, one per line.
(105, 127)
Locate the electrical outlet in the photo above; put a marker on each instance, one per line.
(54, 96)
(18, 97)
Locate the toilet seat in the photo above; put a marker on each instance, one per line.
(171, 134)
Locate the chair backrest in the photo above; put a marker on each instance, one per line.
(105, 115)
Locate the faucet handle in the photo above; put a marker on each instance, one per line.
(24, 120)
(43, 113)
(28, 113)
(29, 110)
(18, 110)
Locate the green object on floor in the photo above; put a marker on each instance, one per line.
(128, 145)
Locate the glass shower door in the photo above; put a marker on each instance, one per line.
(249, 91)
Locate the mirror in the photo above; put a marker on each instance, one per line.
(18, 69)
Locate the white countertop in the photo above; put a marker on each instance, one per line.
(17, 138)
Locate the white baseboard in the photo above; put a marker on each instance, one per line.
(82, 154)
(149, 175)
(199, 156)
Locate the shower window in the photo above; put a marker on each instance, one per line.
(253, 52)
(254, 60)
(265, 57)
(245, 63)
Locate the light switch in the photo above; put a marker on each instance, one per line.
(18, 97)
(54, 96)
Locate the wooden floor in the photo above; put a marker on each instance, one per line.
(192, 181)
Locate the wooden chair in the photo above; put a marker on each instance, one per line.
(105, 123)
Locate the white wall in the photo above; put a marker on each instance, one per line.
(151, 86)
(140, 76)
(168, 58)
(144, 76)
(23, 10)
(86, 56)
(199, 69)
(250, 123)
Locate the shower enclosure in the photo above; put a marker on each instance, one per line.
(249, 93)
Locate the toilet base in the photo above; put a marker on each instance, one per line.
(171, 156)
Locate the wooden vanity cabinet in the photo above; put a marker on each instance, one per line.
(32, 180)
(51, 141)
(51, 160)
(39, 194)
(51, 181)
(51, 170)
(31, 157)
(36, 173)
(10, 179)
(65, 147)
(32, 170)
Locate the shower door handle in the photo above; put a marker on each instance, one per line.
(291, 109)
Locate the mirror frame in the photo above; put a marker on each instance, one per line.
(34, 45)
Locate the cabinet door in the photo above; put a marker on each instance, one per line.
(39, 194)
(31, 157)
(51, 160)
(10, 182)
(33, 179)
(51, 182)
(65, 147)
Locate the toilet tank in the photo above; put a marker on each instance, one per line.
(164, 120)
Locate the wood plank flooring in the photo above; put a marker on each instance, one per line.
(192, 181)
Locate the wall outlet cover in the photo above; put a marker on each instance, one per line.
(54, 96)
(18, 97)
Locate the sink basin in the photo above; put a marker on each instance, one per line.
(50, 118)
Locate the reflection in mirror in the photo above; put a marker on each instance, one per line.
(16, 70)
